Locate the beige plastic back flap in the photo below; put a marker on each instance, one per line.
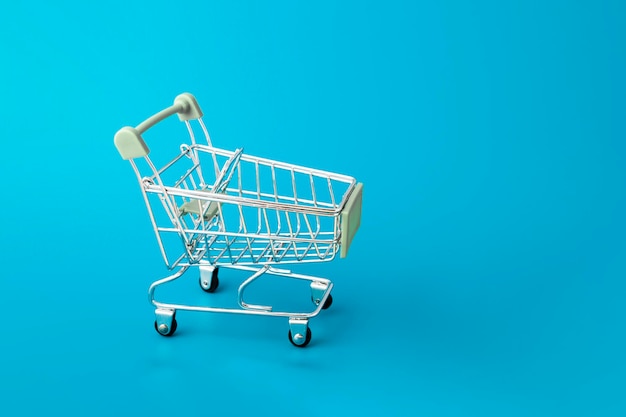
(351, 218)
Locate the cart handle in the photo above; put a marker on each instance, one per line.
(128, 140)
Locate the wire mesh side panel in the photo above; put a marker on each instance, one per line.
(262, 235)
(230, 208)
(268, 211)
(183, 173)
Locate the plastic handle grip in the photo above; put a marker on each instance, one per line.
(128, 140)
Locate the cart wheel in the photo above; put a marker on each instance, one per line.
(169, 332)
(215, 282)
(327, 304)
(306, 340)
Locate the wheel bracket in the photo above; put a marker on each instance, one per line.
(164, 320)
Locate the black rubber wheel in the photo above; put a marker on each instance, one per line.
(306, 340)
(172, 330)
(329, 302)
(215, 282)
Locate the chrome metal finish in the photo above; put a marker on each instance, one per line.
(234, 210)
(164, 318)
(298, 328)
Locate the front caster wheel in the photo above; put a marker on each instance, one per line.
(163, 330)
(210, 284)
(300, 340)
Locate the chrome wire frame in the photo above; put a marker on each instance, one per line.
(250, 309)
(249, 228)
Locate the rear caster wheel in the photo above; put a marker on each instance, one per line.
(211, 284)
(163, 330)
(327, 304)
(300, 340)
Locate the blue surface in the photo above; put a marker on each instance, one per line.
(488, 275)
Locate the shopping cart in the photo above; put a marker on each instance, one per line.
(213, 208)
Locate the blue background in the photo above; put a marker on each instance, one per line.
(488, 275)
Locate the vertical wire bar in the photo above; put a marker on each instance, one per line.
(196, 168)
(258, 180)
(245, 230)
(208, 140)
(293, 183)
(267, 223)
(258, 196)
(319, 224)
(190, 130)
(275, 186)
(291, 235)
(298, 224)
(308, 224)
(193, 153)
(332, 194)
(239, 179)
(242, 220)
(269, 233)
(313, 190)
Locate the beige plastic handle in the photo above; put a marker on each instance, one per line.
(128, 140)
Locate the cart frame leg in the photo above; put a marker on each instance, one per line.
(245, 284)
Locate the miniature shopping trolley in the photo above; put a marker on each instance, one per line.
(213, 208)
